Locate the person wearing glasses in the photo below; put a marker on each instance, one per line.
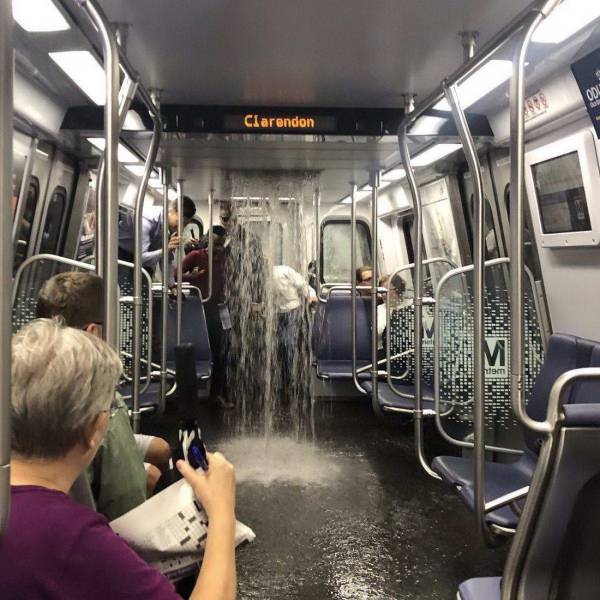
(127, 466)
(63, 382)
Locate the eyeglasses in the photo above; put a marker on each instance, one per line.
(113, 409)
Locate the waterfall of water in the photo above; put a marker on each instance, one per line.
(268, 353)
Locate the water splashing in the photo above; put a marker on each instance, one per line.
(268, 354)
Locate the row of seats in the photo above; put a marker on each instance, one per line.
(332, 346)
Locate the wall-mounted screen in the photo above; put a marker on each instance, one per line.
(563, 186)
(561, 194)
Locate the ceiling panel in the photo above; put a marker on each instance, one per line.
(344, 53)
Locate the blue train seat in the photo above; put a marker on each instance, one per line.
(554, 553)
(392, 403)
(565, 352)
(149, 400)
(334, 347)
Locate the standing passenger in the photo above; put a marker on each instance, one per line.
(152, 232)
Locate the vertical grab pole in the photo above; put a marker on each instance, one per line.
(179, 255)
(470, 149)
(210, 246)
(108, 257)
(374, 287)
(137, 271)
(353, 288)
(418, 301)
(517, 193)
(318, 244)
(6, 255)
(164, 314)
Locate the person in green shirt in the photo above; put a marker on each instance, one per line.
(126, 467)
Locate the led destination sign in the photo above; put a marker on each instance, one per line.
(267, 121)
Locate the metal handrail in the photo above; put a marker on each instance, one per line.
(388, 314)
(418, 301)
(164, 319)
(6, 254)
(437, 355)
(210, 248)
(374, 296)
(353, 287)
(108, 268)
(137, 267)
(317, 202)
(468, 144)
(180, 252)
(517, 189)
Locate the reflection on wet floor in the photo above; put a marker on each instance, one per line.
(348, 515)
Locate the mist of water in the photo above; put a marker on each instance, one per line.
(268, 362)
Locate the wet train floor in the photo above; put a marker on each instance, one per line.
(347, 515)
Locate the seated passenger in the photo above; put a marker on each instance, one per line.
(63, 383)
(127, 466)
(396, 288)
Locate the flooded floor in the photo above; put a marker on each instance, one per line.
(348, 515)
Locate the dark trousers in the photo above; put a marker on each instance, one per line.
(216, 335)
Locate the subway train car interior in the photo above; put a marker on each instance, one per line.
(354, 247)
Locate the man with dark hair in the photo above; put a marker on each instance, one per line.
(152, 232)
(118, 477)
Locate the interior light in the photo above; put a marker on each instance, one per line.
(85, 71)
(172, 194)
(37, 16)
(394, 175)
(434, 153)
(138, 171)
(155, 184)
(481, 83)
(125, 155)
(566, 20)
(254, 198)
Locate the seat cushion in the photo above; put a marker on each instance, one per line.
(458, 470)
(340, 369)
(390, 401)
(482, 588)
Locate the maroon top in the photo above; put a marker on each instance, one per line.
(198, 259)
(56, 549)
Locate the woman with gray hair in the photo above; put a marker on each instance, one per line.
(63, 383)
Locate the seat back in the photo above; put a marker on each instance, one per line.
(193, 328)
(335, 341)
(317, 325)
(564, 352)
(555, 551)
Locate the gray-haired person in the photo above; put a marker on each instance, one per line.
(63, 382)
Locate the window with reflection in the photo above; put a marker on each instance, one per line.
(335, 250)
(24, 229)
(51, 235)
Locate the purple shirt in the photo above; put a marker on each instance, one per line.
(56, 549)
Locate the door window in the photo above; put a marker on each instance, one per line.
(24, 230)
(54, 222)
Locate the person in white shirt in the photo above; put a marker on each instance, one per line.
(291, 293)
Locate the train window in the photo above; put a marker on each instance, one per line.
(54, 222)
(88, 225)
(439, 232)
(561, 194)
(24, 231)
(335, 250)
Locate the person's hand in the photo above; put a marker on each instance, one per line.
(173, 242)
(215, 488)
(193, 242)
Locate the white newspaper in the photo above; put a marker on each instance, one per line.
(169, 531)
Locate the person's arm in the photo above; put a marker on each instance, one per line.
(215, 489)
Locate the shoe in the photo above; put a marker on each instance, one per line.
(224, 403)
